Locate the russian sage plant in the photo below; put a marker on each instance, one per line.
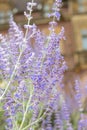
(32, 67)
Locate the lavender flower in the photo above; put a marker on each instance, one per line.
(56, 8)
(33, 67)
(34, 75)
(78, 95)
(58, 121)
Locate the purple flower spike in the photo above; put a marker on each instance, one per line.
(33, 68)
(78, 95)
(57, 15)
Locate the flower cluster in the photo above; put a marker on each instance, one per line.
(56, 9)
(33, 68)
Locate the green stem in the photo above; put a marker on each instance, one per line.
(11, 78)
(33, 123)
(24, 117)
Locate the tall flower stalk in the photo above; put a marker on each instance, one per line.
(29, 8)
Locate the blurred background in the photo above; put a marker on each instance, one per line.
(74, 20)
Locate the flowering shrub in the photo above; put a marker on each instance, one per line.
(32, 68)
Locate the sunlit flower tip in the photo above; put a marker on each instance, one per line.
(25, 13)
(31, 4)
(28, 16)
(29, 8)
